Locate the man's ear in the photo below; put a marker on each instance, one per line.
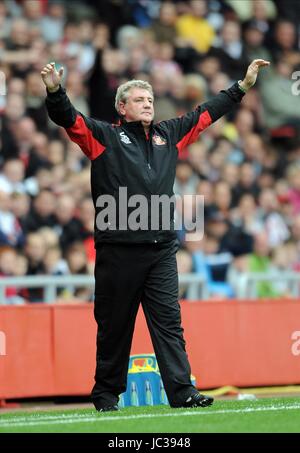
(121, 108)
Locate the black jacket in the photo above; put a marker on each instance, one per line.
(122, 156)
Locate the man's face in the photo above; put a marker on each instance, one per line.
(138, 107)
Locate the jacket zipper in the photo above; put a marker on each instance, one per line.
(147, 139)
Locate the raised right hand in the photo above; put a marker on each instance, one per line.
(51, 77)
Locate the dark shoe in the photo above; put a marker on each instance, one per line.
(197, 399)
(107, 408)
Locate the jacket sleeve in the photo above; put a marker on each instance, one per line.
(186, 129)
(86, 132)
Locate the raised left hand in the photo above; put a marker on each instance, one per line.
(252, 72)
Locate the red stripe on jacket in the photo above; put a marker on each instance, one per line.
(204, 121)
(82, 135)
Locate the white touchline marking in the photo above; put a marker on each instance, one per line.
(67, 419)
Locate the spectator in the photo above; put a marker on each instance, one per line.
(273, 222)
(21, 136)
(163, 28)
(186, 181)
(20, 207)
(56, 151)
(12, 176)
(222, 197)
(165, 106)
(230, 50)
(281, 107)
(78, 264)
(52, 23)
(210, 264)
(163, 63)
(49, 236)
(284, 259)
(8, 263)
(5, 20)
(247, 183)
(246, 216)
(198, 158)
(86, 234)
(205, 188)
(108, 67)
(258, 261)
(259, 9)
(10, 230)
(230, 174)
(54, 263)
(68, 227)
(293, 195)
(35, 106)
(35, 250)
(254, 36)
(285, 45)
(76, 90)
(230, 238)
(42, 212)
(244, 123)
(193, 29)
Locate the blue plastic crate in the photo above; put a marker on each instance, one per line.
(144, 383)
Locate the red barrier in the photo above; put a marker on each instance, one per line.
(50, 349)
(27, 369)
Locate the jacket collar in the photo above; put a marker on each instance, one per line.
(134, 125)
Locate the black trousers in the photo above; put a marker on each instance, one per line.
(125, 276)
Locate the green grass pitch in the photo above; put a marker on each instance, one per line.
(264, 415)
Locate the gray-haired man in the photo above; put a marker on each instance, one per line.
(137, 265)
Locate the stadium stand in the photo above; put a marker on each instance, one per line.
(246, 165)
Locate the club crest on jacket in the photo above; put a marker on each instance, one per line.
(157, 140)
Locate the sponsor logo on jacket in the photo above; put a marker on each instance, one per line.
(124, 138)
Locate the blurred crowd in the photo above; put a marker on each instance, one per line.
(247, 165)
